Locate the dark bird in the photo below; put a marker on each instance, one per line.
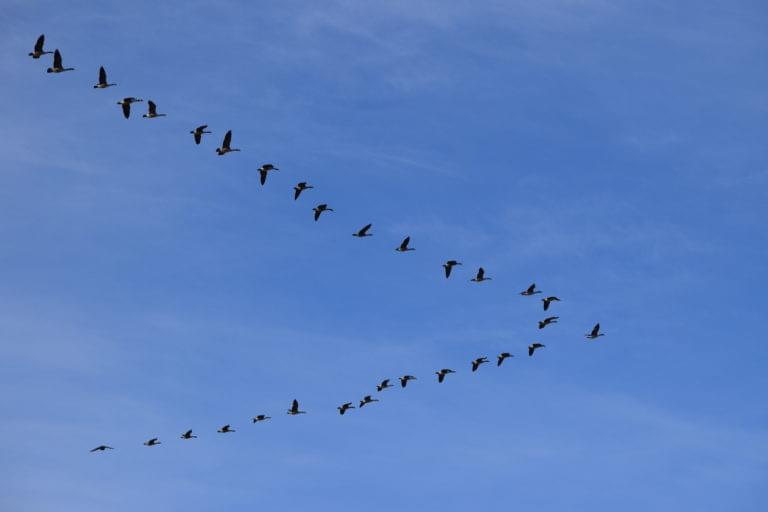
(226, 429)
(477, 362)
(501, 357)
(367, 400)
(320, 209)
(384, 385)
(264, 170)
(363, 232)
(595, 333)
(261, 417)
(480, 277)
(549, 300)
(224, 149)
(448, 266)
(152, 110)
(533, 346)
(38, 51)
(547, 321)
(299, 188)
(101, 447)
(58, 67)
(404, 380)
(404, 245)
(345, 407)
(294, 410)
(152, 442)
(103, 84)
(198, 133)
(531, 290)
(126, 104)
(442, 373)
(188, 435)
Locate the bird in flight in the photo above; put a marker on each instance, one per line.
(226, 429)
(501, 357)
(225, 144)
(547, 321)
(363, 232)
(480, 277)
(320, 209)
(442, 373)
(188, 435)
(103, 84)
(531, 290)
(404, 245)
(299, 188)
(152, 442)
(345, 407)
(198, 133)
(367, 400)
(549, 300)
(404, 380)
(532, 348)
(152, 111)
(38, 51)
(294, 410)
(264, 170)
(261, 417)
(58, 67)
(126, 104)
(595, 333)
(101, 447)
(477, 362)
(384, 385)
(448, 266)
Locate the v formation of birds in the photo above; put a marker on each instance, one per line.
(364, 232)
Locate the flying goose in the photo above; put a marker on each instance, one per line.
(152, 442)
(384, 385)
(294, 410)
(103, 84)
(477, 362)
(188, 435)
(101, 447)
(345, 407)
(532, 348)
(404, 245)
(442, 373)
(152, 110)
(480, 277)
(531, 290)
(261, 417)
(126, 104)
(501, 357)
(320, 209)
(448, 266)
(363, 232)
(58, 67)
(299, 188)
(595, 333)
(198, 133)
(404, 380)
(547, 321)
(547, 301)
(38, 51)
(264, 169)
(226, 429)
(224, 149)
(367, 400)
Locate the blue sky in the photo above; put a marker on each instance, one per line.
(612, 152)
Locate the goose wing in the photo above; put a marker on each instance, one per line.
(295, 406)
(126, 109)
(480, 274)
(227, 140)
(39, 44)
(151, 107)
(263, 175)
(102, 76)
(595, 330)
(57, 59)
(404, 244)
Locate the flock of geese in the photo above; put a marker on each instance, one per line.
(264, 170)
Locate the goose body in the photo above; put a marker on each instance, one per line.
(103, 84)
(226, 429)
(198, 132)
(225, 144)
(264, 170)
(152, 442)
(532, 348)
(126, 104)
(101, 447)
(58, 67)
(299, 188)
(547, 321)
(595, 332)
(384, 385)
(294, 410)
(549, 300)
(320, 209)
(38, 51)
(442, 373)
(188, 435)
(448, 267)
(501, 357)
(367, 399)
(363, 232)
(152, 110)
(345, 407)
(477, 362)
(531, 290)
(261, 417)
(480, 276)
(403, 247)
(404, 380)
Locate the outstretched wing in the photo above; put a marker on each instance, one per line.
(152, 108)
(263, 173)
(227, 140)
(126, 109)
(57, 59)
(404, 245)
(102, 76)
(39, 49)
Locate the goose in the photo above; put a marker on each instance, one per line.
(38, 51)
(532, 348)
(547, 321)
(320, 209)
(101, 447)
(58, 67)
(404, 380)
(261, 417)
(549, 300)
(384, 385)
(126, 104)
(103, 84)
(477, 362)
(480, 277)
(294, 410)
(226, 429)
(188, 435)
(595, 333)
(152, 110)
(299, 188)
(531, 290)
(501, 357)
(264, 169)
(152, 442)
(442, 373)
(448, 266)
(363, 232)
(198, 133)
(224, 149)
(367, 400)
(404, 245)
(345, 407)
